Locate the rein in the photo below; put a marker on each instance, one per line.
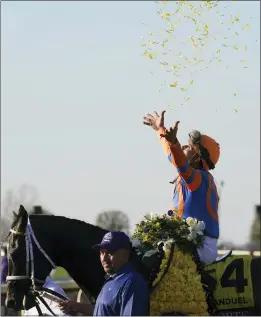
(29, 239)
(40, 297)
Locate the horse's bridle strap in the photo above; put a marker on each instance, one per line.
(22, 277)
(18, 277)
(18, 233)
(42, 293)
(29, 236)
(47, 291)
(39, 297)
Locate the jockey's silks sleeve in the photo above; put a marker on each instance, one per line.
(191, 177)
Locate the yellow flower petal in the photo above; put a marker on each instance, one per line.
(174, 84)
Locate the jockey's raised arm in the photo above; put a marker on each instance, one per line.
(176, 156)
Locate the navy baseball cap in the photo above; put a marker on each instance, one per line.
(114, 241)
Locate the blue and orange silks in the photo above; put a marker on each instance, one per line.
(195, 193)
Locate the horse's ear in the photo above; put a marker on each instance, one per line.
(22, 218)
(22, 211)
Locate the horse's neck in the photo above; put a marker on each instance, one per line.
(80, 261)
(84, 267)
(72, 249)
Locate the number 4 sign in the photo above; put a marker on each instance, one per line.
(239, 282)
(233, 282)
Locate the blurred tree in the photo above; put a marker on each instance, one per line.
(38, 210)
(255, 228)
(113, 220)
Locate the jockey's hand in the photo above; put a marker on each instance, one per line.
(155, 121)
(171, 134)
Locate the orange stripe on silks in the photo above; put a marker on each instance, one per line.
(217, 200)
(210, 210)
(181, 199)
(196, 182)
(217, 203)
(186, 174)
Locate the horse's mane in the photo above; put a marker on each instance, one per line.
(62, 217)
(77, 222)
(68, 229)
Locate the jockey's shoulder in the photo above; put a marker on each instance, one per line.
(206, 174)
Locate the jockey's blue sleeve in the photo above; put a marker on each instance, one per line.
(135, 299)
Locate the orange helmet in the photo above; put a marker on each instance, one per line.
(207, 148)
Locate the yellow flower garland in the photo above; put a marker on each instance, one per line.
(180, 290)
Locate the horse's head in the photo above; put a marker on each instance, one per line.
(16, 256)
(25, 267)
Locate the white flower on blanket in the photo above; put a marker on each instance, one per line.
(192, 235)
(196, 228)
(201, 225)
(167, 245)
(191, 221)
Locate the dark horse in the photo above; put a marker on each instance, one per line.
(68, 243)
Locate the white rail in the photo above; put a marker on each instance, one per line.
(240, 252)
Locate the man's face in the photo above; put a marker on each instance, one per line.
(189, 152)
(112, 261)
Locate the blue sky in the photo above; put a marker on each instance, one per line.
(74, 90)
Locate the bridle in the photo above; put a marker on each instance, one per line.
(29, 239)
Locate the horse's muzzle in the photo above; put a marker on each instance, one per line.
(10, 303)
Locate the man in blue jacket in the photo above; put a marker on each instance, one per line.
(125, 292)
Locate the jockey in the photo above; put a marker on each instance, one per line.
(195, 193)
